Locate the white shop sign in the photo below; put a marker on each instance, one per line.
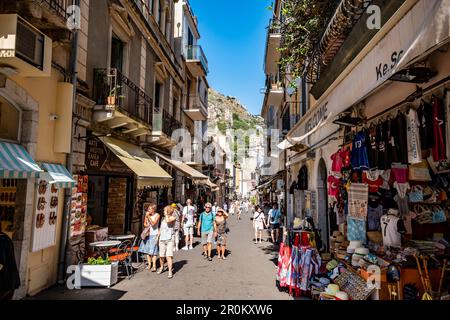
(425, 26)
(45, 217)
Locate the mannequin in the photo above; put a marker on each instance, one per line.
(392, 228)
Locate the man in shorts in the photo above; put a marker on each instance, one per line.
(273, 222)
(206, 226)
(187, 222)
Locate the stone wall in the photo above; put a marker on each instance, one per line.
(117, 196)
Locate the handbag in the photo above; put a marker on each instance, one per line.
(438, 215)
(419, 172)
(423, 215)
(145, 233)
(443, 195)
(416, 194)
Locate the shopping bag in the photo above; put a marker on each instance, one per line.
(416, 194)
(438, 215)
(419, 172)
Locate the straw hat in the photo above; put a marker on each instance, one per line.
(332, 289)
(341, 295)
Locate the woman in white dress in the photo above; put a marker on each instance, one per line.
(259, 222)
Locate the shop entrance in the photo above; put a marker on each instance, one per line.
(109, 202)
(322, 206)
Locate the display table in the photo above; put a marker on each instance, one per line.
(95, 235)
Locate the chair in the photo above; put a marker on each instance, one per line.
(123, 256)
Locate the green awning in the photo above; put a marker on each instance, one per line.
(16, 163)
(59, 175)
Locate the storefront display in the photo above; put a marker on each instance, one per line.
(8, 190)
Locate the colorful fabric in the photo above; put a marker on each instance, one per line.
(373, 217)
(439, 130)
(358, 200)
(356, 230)
(333, 186)
(373, 180)
(400, 172)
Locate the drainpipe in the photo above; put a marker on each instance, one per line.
(69, 161)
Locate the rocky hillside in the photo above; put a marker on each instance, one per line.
(227, 112)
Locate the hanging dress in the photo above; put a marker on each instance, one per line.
(439, 130)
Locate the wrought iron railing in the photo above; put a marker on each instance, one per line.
(195, 52)
(113, 88)
(59, 7)
(169, 123)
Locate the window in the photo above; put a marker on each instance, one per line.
(9, 121)
(117, 47)
(150, 5)
(158, 94)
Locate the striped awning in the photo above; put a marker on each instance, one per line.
(59, 175)
(16, 163)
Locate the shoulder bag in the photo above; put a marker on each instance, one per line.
(416, 194)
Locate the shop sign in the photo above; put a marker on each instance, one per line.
(317, 117)
(45, 217)
(96, 154)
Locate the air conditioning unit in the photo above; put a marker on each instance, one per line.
(23, 48)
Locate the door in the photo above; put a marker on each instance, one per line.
(117, 47)
(322, 205)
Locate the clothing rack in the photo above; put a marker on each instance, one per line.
(419, 93)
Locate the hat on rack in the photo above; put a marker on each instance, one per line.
(332, 289)
(341, 295)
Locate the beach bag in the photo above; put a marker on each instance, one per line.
(423, 214)
(416, 194)
(438, 215)
(419, 172)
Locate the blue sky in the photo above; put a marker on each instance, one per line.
(233, 36)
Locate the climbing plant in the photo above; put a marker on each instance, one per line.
(302, 24)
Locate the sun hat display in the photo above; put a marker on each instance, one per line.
(332, 289)
(362, 251)
(355, 244)
(341, 295)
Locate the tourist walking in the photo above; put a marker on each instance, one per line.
(273, 221)
(221, 230)
(9, 274)
(206, 229)
(187, 222)
(237, 209)
(176, 228)
(259, 223)
(225, 207)
(149, 244)
(167, 240)
(215, 208)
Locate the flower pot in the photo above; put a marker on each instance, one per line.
(99, 275)
(111, 100)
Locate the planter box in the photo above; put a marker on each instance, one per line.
(99, 275)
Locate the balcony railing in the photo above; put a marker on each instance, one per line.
(273, 82)
(59, 7)
(195, 102)
(195, 52)
(169, 123)
(114, 88)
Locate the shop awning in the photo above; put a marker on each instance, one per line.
(196, 176)
(270, 180)
(16, 163)
(58, 175)
(149, 173)
(290, 142)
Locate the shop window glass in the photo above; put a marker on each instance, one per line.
(9, 121)
(8, 188)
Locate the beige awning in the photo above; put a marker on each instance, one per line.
(149, 173)
(196, 176)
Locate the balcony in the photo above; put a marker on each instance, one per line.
(273, 90)
(198, 110)
(121, 104)
(196, 60)
(273, 43)
(164, 124)
(49, 16)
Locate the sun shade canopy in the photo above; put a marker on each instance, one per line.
(148, 172)
(196, 176)
(58, 175)
(16, 163)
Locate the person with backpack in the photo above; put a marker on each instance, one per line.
(206, 226)
(259, 223)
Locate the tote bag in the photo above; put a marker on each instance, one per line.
(419, 172)
(416, 194)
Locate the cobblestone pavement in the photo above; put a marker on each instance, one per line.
(249, 273)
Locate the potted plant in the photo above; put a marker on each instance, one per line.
(113, 95)
(99, 272)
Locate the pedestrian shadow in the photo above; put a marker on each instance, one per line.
(178, 265)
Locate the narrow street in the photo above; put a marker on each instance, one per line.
(248, 273)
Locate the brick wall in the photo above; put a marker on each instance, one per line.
(117, 195)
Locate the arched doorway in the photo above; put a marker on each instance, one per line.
(322, 206)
